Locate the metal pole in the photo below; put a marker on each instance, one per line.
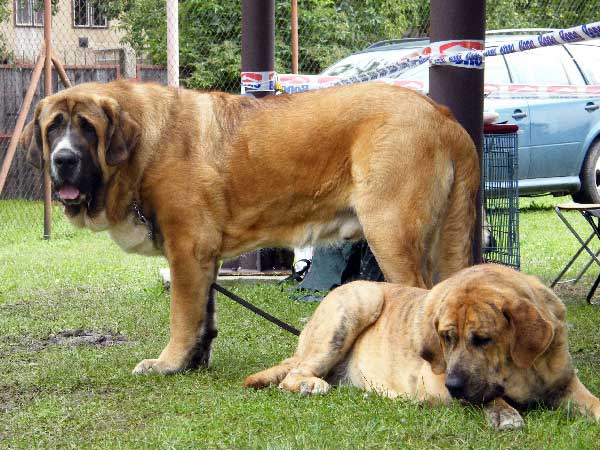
(47, 92)
(173, 43)
(294, 36)
(14, 140)
(258, 37)
(461, 89)
(61, 70)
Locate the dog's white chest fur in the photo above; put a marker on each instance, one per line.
(133, 237)
(129, 234)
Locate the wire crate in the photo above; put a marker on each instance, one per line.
(501, 195)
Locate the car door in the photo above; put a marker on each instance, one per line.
(511, 110)
(558, 127)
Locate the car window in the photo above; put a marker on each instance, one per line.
(546, 65)
(588, 59)
(495, 70)
(420, 73)
(365, 62)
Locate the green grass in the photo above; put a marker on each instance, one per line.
(54, 396)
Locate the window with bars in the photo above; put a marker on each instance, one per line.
(87, 15)
(29, 13)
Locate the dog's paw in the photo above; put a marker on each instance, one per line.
(157, 366)
(504, 418)
(305, 385)
(314, 386)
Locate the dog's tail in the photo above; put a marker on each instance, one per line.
(459, 224)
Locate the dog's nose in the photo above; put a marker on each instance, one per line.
(455, 383)
(66, 160)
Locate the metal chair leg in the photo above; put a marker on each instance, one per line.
(585, 268)
(592, 290)
(574, 233)
(573, 259)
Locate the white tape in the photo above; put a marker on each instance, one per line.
(566, 36)
(449, 53)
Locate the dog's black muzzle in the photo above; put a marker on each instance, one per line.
(67, 164)
(67, 174)
(463, 387)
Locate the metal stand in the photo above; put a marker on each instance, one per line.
(46, 60)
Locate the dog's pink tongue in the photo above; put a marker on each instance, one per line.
(68, 192)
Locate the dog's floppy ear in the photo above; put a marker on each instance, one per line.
(122, 133)
(431, 347)
(31, 139)
(531, 333)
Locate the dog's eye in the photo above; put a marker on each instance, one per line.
(448, 337)
(480, 341)
(56, 122)
(86, 126)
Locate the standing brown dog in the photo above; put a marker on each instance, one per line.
(487, 335)
(203, 176)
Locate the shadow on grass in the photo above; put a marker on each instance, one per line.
(542, 203)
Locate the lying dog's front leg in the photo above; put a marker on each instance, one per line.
(192, 323)
(582, 398)
(502, 416)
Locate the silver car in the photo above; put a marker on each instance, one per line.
(559, 138)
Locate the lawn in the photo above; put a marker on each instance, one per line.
(54, 395)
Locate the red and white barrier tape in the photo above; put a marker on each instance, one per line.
(463, 53)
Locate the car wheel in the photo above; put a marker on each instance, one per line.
(590, 177)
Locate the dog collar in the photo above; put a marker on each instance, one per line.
(143, 220)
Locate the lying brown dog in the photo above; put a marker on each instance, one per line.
(488, 335)
(199, 177)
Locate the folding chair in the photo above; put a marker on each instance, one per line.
(591, 213)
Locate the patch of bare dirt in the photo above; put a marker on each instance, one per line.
(12, 398)
(86, 337)
(69, 338)
(578, 291)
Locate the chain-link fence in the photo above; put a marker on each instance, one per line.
(103, 40)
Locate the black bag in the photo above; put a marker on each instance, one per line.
(333, 266)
